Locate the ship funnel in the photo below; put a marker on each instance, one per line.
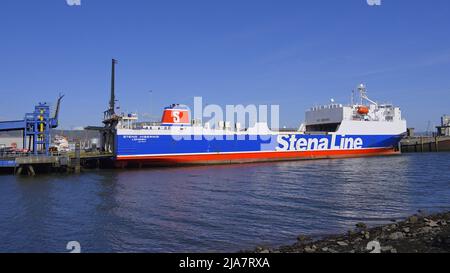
(176, 114)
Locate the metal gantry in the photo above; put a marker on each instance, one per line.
(36, 128)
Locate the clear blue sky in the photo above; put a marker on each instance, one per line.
(293, 53)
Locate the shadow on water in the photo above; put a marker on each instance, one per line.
(216, 208)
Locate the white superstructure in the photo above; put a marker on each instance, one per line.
(367, 117)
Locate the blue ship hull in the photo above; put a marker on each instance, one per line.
(179, 149)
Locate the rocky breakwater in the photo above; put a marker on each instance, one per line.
(419, 233)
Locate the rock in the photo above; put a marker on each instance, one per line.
(396, 236)
(386, 248)
(415, 234)
(303, 238)
(432, 223)
(426, 229)
(309, 249)
(361, 225)
(442, 241)
(258, 249)
(413, 219)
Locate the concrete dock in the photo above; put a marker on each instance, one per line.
(26, 164)
(424, 144)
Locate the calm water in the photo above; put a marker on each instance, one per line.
(218, 208)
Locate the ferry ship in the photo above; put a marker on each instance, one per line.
(329, 131)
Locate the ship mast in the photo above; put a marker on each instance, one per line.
(363, 94)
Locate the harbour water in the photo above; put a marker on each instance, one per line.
(216, 208)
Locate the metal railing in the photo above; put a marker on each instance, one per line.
(11, 155)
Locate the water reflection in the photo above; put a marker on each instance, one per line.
(216, 208)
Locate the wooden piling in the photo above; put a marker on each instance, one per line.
(77, 165)
(437, 143)
(30, 170)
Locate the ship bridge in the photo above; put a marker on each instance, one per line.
(330, 118)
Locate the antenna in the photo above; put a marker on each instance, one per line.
(363, 94)
(352, 98)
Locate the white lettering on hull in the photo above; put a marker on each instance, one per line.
(295, 143)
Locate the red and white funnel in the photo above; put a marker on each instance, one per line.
(175, 115)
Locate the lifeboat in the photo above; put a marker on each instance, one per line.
(363, 110)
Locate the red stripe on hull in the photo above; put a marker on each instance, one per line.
(249, 157)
